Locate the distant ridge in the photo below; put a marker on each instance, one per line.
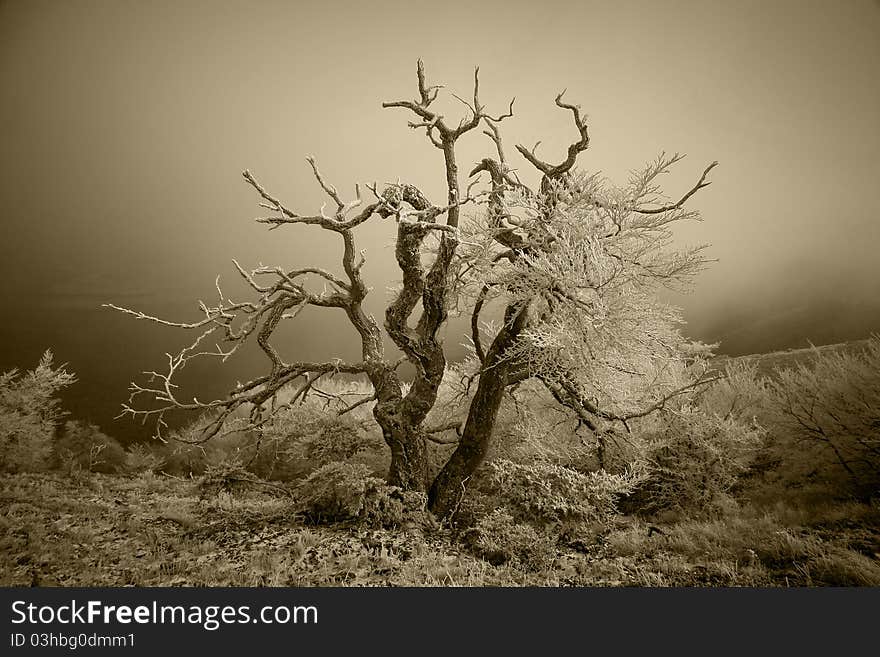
(779, 324)
(768, 363)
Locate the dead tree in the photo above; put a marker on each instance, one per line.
(560, 258)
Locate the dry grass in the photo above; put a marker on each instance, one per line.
(156, 531)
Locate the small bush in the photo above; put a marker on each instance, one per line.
(691, 459)
(546, 493)
(187, 454)
(348, 491)
(742, 394)
(141, 458)
(307, 438)
(827, 417)
(336, 439)
(295, 443)
(499, 539)
(84, 447)
(29, 412)
(225, 477)
(182, 459)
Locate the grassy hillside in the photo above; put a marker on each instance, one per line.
(768, 363)
(101, 530)
(786, 522)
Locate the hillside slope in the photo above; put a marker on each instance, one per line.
(768, 363)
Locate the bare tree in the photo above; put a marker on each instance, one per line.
(573, 263)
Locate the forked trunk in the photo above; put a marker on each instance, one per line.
(449, 486)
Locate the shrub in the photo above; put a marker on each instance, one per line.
(499, 539)
(742, 394)
(140, 458)
(29, 412)
(182, 459)
(336, 439)
(224, 477)
(306, 438)
(325, 437)
(187, 455)
(547, 493)
(348, 491)
(830, 409)
(691, 459)
(296, 442)
(85, 447)
(271, 455)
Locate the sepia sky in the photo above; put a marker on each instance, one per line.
(126, 125)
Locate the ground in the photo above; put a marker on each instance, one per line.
(151, 530)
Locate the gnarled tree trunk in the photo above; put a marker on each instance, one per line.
(409, 449)
(449, 485)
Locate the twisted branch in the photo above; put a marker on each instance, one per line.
(551, 171)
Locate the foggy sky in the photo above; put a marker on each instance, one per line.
(126, 126)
